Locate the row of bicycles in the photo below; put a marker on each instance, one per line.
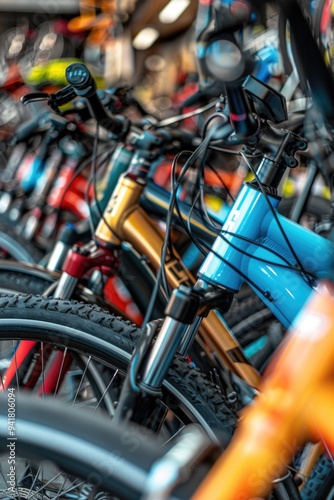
(165, 312)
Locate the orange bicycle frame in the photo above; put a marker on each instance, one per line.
(295, 405)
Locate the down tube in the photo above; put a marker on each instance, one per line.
(288, 290)
(284, 291)
(315, 252)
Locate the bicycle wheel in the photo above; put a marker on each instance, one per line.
(60, 453)
(63, 453)
(15, 247)
(91, 335)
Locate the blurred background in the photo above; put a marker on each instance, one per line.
(147, 44)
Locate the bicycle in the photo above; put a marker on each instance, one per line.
(44, 183)
(213, 298)
(173, 321)
(247, 375)
(239, 367)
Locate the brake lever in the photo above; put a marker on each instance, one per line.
(34, 97)
(62, 96)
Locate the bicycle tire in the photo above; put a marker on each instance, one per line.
(14, 246)
(64, 437)
(111, 462)
(111, 340)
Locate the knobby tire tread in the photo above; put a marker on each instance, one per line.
(205, 397)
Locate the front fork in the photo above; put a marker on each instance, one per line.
(150, 363)
(79, 261)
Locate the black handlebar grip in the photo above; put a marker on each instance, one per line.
(78, 75)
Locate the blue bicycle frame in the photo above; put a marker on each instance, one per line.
(270, 269)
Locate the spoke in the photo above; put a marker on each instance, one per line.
(17, 488)
(60, 372)
(105, 392)
(172, 437)
(16, 373)
(85, 403)
(59, 494)
(81, 380)
(42, 354)
(45, 485)
(35, 478)
(26, 472)
(61, 487)
(163, 418)
(70, 488)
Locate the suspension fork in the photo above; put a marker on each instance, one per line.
(79, 261)
(150, 363)
(186, 307)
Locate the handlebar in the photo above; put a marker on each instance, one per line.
(80, 79)
(82, 84)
